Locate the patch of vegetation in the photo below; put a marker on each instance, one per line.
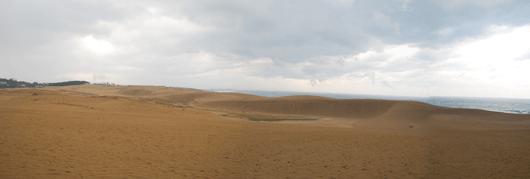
(279, 119)
(264, 117)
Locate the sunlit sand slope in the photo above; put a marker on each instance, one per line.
(378, 114)
(309, 105)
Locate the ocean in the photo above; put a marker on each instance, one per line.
(505, 105)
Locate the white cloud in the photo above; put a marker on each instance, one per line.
(162, 23)
(489, 62)
(497, 50)
(400, 51)
(97, 46)
(128, 68)
(153, 10)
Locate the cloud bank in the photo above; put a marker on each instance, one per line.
(399, 47)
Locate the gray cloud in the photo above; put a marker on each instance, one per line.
(315, 40)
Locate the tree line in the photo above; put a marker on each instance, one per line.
(13, 83)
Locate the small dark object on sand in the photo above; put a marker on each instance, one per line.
(410, 126)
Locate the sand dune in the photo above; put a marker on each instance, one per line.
(378, 114)
(97, 131)
(309, 105)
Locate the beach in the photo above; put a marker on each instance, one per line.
(106, 131)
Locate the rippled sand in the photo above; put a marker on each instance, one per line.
(95, 131)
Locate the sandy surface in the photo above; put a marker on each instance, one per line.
(96, 131)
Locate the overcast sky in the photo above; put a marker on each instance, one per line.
(394, 47)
